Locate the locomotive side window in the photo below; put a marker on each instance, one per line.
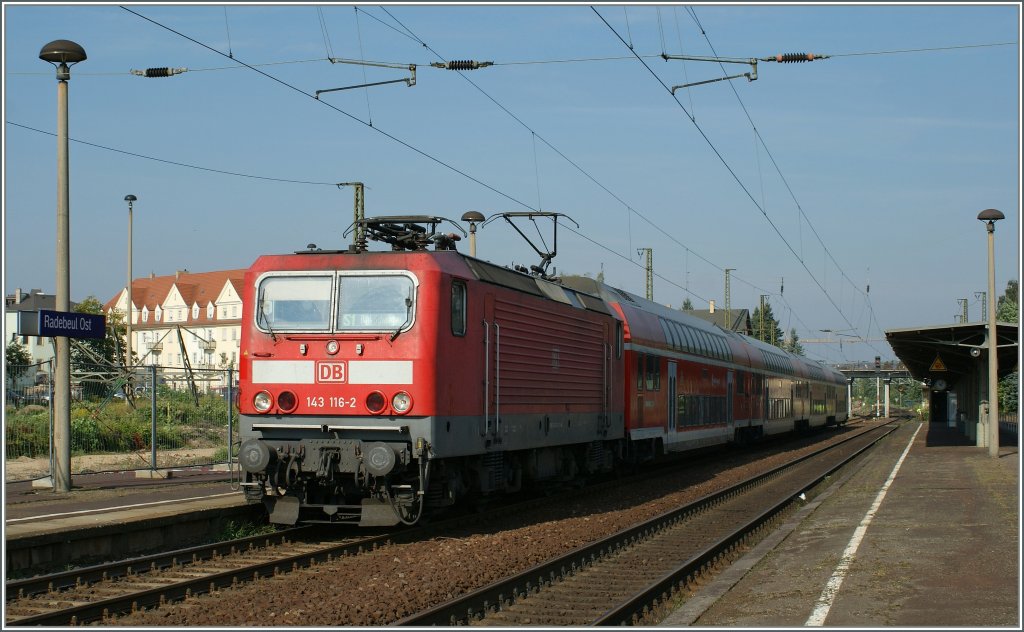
(458, 308)
(294, 303)
(374, 302)
(618, 339)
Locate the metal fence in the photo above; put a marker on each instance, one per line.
(145, 418)
(1008, 423)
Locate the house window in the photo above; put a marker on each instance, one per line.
(195, 311)
(209, 310)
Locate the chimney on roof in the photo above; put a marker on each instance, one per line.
(152, 275)
(712, 307)
(17, 295)
(177, 275)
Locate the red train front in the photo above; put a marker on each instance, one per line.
(377, 385)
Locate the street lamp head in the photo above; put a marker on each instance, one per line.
(991, 215)
(62, 53)
(130, 198)
(473, 216)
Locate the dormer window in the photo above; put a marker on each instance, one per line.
(159, 313)
(195, 311)
(209, 310)
(145, 314)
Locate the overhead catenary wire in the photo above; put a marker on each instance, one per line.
(731, 171)
(323, 31)
(174, 162)
(527, 62)
(415, 149)
(411, 147)
(366, 90)
(629, 208)
(335, 108)
(801, 213)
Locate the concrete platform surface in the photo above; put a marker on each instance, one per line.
(111, 515)
(939, 548)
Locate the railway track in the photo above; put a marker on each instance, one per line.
(621, 579)
(89, 594)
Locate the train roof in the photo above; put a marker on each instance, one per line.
(651, 321)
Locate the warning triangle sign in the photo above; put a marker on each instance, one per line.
(938, 364)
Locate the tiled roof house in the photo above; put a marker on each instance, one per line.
(204, 307)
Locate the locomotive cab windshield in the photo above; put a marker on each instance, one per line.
(364, 302)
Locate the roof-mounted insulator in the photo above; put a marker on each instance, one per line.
(463, 64)
(795, 58)
(159, 72)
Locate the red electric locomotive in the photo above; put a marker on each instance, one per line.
(375, 386)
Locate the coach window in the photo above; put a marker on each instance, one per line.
(653, 373)
(689, 339)
(666, 329)
(679, 336)
(458, 308)
(618, 339)
(639, 372)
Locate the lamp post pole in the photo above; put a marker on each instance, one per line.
(473, 217)
(61, 53)
(128, 311)
(990, 217)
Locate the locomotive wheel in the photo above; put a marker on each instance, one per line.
(253, 495)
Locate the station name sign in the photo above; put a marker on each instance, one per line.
(72, 325)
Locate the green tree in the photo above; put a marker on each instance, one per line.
(1007, 308)
(88, 352)
(687, 305)
(1007, 311)
(16, 361)
(767, 328)
(793, 344)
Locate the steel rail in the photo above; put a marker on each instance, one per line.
(130, 601)
(479, 603)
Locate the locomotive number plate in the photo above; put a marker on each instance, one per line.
(330, 372)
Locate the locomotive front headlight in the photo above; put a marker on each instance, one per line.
(262, 401)
(401, 402)
(332, 347)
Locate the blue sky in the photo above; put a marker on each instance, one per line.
(867, 168)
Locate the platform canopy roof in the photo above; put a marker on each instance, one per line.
(944, 351)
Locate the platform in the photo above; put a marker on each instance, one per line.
(940, 548)
(115, 515)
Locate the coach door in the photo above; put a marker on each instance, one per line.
(730, 383)
(673, 411)
(492, 342)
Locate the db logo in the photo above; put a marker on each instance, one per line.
(330, 371)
